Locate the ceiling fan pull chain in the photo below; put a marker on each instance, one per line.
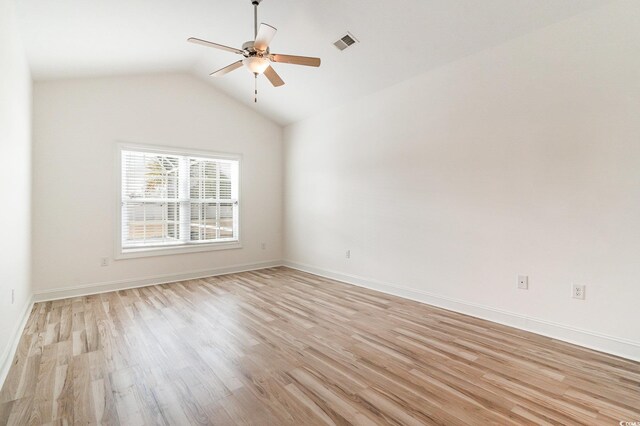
(255, 98)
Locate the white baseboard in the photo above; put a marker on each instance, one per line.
(12, 346)
(597, 341)
(103, 287)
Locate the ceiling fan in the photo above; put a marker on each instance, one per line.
(256, 53)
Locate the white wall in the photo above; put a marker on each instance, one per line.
(77, 124)
(521, 159)
(15, 182)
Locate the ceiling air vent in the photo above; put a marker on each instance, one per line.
(345, 41)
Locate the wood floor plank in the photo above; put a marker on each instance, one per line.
(282, 347)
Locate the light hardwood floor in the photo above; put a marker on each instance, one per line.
(279, 346)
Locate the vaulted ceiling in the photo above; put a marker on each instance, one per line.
(398, 39)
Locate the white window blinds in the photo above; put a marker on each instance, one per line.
(174, 200)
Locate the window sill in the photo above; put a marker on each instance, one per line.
(172, 250)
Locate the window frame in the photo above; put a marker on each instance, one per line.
(194, 247)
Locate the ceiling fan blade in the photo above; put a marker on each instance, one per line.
(215, 45)
(297, 60)
(273, 77)
(264, 37)
(227, 69)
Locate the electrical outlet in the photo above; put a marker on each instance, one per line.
(263, 246)
(348, 254)
(578, 291)
(104, 261)
(523, 282)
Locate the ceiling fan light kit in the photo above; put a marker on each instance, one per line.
(255, 64)
(257, 57)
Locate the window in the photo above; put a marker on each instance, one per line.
(175, 200)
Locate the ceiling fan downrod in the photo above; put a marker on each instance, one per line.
(255, 4)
